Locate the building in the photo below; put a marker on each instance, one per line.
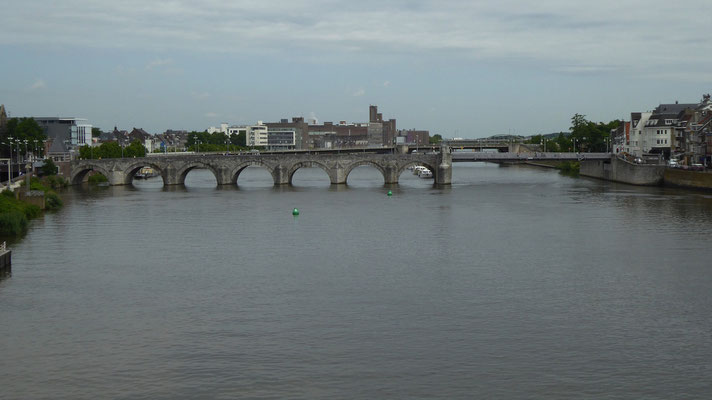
(338, 136)
(223, 128)
(281, 138)
(620, 137)
(658, 133)
(380, 133)
(65, 136)
(300, 127)
(413, 137)
(255, 135)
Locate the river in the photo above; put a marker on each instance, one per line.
(515, 282)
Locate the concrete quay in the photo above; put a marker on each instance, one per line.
(5, 261)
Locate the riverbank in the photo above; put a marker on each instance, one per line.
(622, 171)
(19, 207)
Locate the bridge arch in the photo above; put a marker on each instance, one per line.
(80, 172)
(310, 164)
(185, 169)
(235, 172)
(360, 163)
(403, 167)
(135, 167)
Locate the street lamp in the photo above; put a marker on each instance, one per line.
(9, 165)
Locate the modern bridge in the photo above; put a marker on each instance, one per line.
(470, 156)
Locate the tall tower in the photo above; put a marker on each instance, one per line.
(373, 114)
(3, 120)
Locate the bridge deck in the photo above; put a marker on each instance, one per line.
(463, 156)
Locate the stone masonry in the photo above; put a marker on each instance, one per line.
(227, 168)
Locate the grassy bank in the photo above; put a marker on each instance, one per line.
(15, 214)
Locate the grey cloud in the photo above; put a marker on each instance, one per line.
(554, 32)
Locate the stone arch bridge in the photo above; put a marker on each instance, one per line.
(227, 168)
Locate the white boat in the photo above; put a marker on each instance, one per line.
(416, 170)
(425, 174)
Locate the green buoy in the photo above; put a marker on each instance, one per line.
(295, 212)
(390, 193)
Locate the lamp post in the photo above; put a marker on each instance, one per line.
(122, 149)
(9, 165)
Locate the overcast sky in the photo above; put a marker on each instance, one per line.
(459, 68)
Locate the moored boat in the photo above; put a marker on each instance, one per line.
(425, 174)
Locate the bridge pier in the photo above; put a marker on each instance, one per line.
(224, 176)
(338, 175)
(170, 176)
(116, 178)
(281, 175)
(443, 175)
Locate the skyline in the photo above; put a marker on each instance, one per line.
(456, 69)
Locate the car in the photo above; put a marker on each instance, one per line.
(673, 164)
(697, 167)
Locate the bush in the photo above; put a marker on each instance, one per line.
(52, 201)
(55, 182)
(97, 178)
(12, 223)
(49, 168)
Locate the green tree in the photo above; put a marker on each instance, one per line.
(49, 168)
(239, 139)
(95, 132)
(435, 139)
(21, 129)
(135, 149)
(591, 136)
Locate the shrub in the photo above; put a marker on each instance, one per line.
(97, 178)
(12, 223)
(52, 201)
(55, 182)
(49, 168)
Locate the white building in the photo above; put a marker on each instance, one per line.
(260, 135)
(223, 128)
(637, 141)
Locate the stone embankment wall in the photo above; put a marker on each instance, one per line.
(618, 170)
(689, 179)
(5, 262)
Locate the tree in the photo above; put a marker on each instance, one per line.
(95, 132)
(591, 136)
(49, 168)
(239, 139)
(435, 139)
(21, 129)
(135, 149)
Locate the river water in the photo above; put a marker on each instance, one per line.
(515, 282)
